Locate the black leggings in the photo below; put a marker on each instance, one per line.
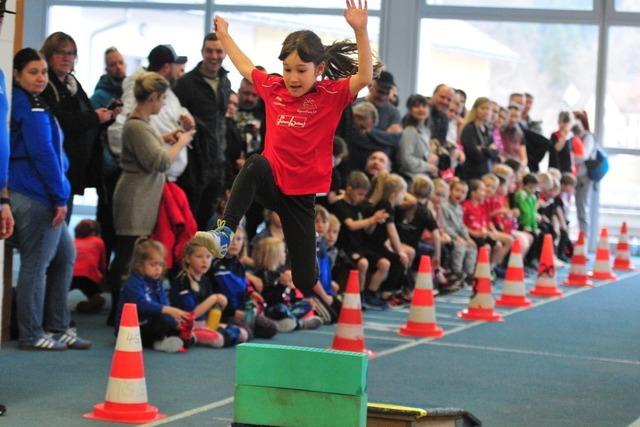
(297, 213)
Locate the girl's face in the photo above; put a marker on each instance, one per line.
(438, 195)
(299, 76)
(33, 78)
(322, 226)
(236, 244)
(503, 188)
(482, 113)
(419, 112)
(199, 261)
(490, 188)
(332, 235)
(282, 256)
(458, 194)
(564, 126)
(479, 194)
(153, 267)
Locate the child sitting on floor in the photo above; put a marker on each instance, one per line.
(90, 267)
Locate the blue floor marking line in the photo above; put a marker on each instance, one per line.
(414, 343)
(535, 353)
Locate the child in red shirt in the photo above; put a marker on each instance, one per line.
(90, 266)
(481, 229)
(302, 114)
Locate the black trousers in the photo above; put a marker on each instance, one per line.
(297, 213)
(118, 270)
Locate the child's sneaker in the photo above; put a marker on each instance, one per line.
(216, 241)
(168, 345)
(286, 325)
(313, 322)
(71, 340)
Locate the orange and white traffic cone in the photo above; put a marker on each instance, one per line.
(350, 332)
(422, 315)
(513, 292)
(578, 271)
(623, 253)
(546, 284)
(602, 264)
(481, 304)
(126, 400)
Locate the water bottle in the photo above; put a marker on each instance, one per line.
(213, 321)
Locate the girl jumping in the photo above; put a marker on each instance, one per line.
(302, 113)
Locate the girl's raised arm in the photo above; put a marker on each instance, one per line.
(242, 63)
(356, 17)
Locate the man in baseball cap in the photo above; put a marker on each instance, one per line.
(164, 54)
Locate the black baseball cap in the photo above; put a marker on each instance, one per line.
(3, 8)
(164, 54)
(385, 80)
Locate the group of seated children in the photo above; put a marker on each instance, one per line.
(379, 231)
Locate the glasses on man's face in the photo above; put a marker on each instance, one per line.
(64, 52)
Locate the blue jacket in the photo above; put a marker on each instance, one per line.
(146, 293)
(37, 162)
(4, 133)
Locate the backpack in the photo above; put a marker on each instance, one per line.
(597, 165)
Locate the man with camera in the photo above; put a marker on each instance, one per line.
(108, 90)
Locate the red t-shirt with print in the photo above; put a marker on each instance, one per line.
(475, 216)
(91, 258)
(300, 131)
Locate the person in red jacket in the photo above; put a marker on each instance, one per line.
(90, 266)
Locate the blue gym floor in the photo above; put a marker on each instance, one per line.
(571, 361)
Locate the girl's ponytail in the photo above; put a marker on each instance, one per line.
(341, 60)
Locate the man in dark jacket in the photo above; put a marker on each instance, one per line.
(204, 91)
(109, 87)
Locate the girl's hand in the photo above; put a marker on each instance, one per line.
(356, 16)
(220, 26)
(176, 313)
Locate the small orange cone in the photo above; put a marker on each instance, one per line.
(422, 315)
(602, 264)
(126, 400)
(513, 293)
(350, 332)
(623, 253)
(578, 271)
(481, 304)
(546, 285)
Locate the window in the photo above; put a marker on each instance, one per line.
(520, 4)
(554, 62)
(337, 4)
(133, 31)
(628, 5)
(260, 35)
(622, 100)
(619, 188)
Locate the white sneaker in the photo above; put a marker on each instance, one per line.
(168, 345)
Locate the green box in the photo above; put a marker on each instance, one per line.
(296, 408)
(302, 368)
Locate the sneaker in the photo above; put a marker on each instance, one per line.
(286, 325)
(396, 303)
(216, 241)
(45, 343)
(72, 340)
(3, 410)
(311, 323)
(168, 345)
(92, 305)
(372, 302)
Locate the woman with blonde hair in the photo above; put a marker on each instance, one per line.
(479, 148)
(144, 161)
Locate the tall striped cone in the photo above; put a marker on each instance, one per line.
(350, 332)
(602, 264)
(578, 271)
(546, 284)
(513, 292)
(481, 304)
(422, 315)
(623, 253)
(126, 400)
